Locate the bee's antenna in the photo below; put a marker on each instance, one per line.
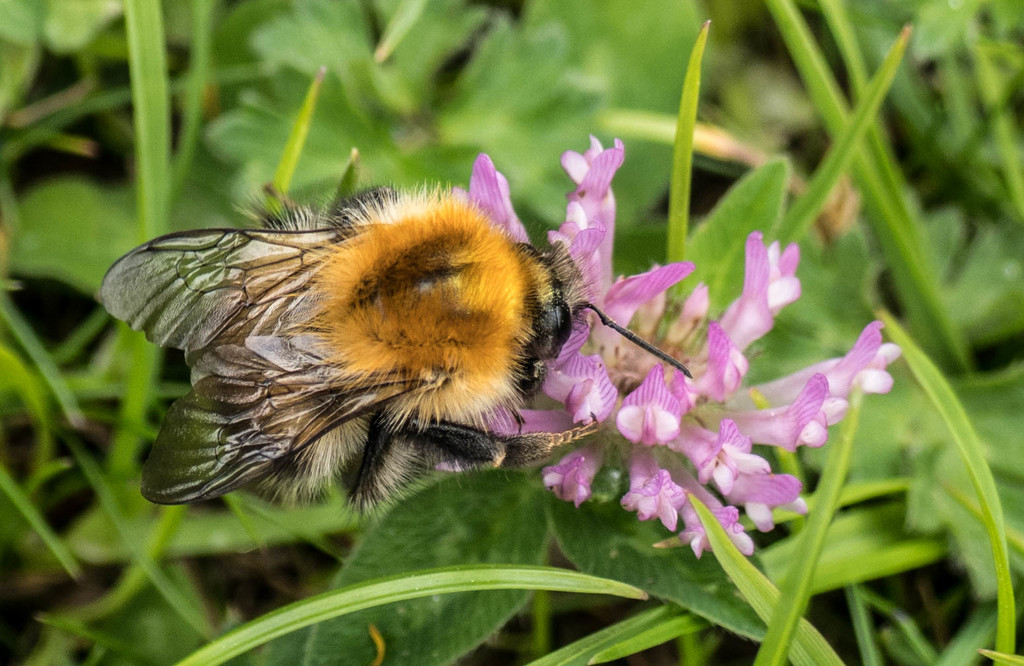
(637, 340)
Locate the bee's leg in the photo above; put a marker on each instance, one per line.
(466, 446)
(387, 465)
(534, 447)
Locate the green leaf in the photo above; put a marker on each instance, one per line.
(682, 152)
(394, 589)
(465, 519)
(602, 539)
(972, 456)
(18, 66)
(624, 638)
(297, 137)
(602, 52)
(718, 244)
(70, 26)
(809, 646)
(10, 488)
(22, 21)
(861, 545)
(104, 222)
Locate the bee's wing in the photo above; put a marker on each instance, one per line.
(185, 289)
(256, 404)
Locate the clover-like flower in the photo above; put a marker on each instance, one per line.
(681, 437)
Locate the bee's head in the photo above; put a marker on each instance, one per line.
(565, 301)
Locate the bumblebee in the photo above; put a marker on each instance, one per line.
(373, 337)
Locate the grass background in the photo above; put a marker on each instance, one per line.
(119, 122)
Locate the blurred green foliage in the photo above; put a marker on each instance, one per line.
(419, 89)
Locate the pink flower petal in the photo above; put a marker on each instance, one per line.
(803, 422)
(593, 172)
(650, 414)
(652, 493)
(489, 190)
(582, 383)
(570, 479)
(625, 296)
(863, 365)
(759, 493)
(726, 366)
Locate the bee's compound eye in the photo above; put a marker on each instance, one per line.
(563, 324)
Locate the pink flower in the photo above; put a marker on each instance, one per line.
(652, 493)
(488, 189)
(768, 284)
(802, 422)
(726, 366)
(570, 479)
(582, 383)
(685, 438)
(650, 414)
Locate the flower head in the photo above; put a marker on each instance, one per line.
(682, 437)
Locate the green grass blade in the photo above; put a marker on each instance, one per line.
(978, 629)
(402, 21)
(195, 84)
(132, 653)
(900, 236)
(152, 120)
(10, 488)
(1006, 138)
(399, 588)
(27, 339)
(349, 181)
(809, 646)
(796, 588)
(842, 30)
(17, 377)
(151, 113)
(297, 138)
(1014, 538)
(802, 213)
(139, 557)
(682, 155)
(1002, 658)
(972, 453)
(583, 650)
(657, 635)
(870, 655)
(134, 578)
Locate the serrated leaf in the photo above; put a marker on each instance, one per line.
(604, 540)
(754, 203)
(479, 518)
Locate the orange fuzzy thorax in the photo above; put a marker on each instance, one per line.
(429, 289)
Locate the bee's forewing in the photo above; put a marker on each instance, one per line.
(256, 404)
(185, 289)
